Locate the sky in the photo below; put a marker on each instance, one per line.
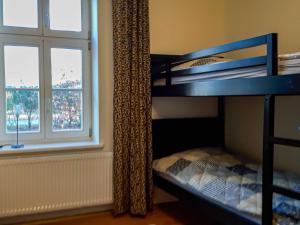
(22, 66)
(21, 13)
(24, 13)
(58, 10)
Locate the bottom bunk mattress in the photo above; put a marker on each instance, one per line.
(228, 180)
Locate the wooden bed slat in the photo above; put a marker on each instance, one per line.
(286, 192)
(277, 85)
(236, 64)
(247, 43)
(286, 141)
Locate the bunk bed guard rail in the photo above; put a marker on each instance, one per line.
(161, 64)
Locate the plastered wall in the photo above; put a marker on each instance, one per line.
(244, 116)
(178, 27)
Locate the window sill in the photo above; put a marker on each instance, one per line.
(51, 147)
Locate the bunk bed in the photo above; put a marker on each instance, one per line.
(211, 75)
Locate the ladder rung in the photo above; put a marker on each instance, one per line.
(286, 192)
(285, 141)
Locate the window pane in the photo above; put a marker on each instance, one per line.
(65, 15)
(66, 67)
(20, 13)
(21, 66)
(66, 110)
(27, 103)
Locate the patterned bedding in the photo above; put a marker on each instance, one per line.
(229, 180)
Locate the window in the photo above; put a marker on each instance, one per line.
(45, 70)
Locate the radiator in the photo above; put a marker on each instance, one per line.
(44, 184)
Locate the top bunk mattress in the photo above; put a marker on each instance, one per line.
(231, 181)
(287, 64)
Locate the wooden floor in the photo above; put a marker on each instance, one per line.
(163, 214)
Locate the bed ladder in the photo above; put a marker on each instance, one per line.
(269, 140)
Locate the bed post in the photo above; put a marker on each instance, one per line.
(221, 118)
(168, 75)
(268, 155)
(268, 134)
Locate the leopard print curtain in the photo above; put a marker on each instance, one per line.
(132, 108)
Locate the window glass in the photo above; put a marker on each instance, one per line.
(21, 65)
(24, 103)
(66, 67)
(20, 13)
(65, 15)
(66, 110)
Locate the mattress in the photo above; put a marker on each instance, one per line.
(229, 181)
(255, 219)
(287, 64)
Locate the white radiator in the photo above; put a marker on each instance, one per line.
(43, 184)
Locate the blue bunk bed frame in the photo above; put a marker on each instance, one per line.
(212, 130)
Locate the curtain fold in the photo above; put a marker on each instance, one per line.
(132, 108)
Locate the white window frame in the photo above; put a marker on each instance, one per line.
(16, 40)
(47, 39)
(23, 30)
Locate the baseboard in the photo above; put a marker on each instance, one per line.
(53, 215)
